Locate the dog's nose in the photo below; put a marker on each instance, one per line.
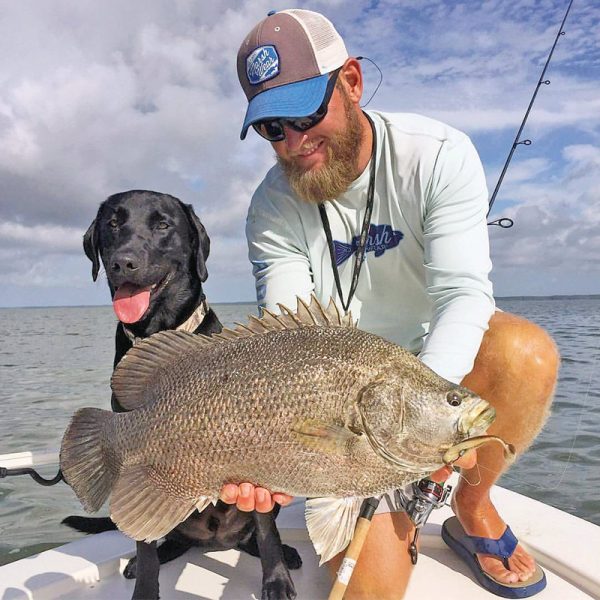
(125, 265)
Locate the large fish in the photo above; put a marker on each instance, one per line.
(302, 403)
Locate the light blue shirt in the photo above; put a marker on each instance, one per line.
(424, 283)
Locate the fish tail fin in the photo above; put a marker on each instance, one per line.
(82, 457)
(342, 251)
(330, 523)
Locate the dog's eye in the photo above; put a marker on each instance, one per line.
(162, 225)
(113, 223)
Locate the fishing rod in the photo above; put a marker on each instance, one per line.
(506, 222)
(368, 508)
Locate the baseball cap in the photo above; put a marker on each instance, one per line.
(284, 62)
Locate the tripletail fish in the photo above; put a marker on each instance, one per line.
(303, 403)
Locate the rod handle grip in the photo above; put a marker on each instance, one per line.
(348, 563)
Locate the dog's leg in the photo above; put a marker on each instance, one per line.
(147, 568)
(291, 558)
(277, 583)
(169, 550)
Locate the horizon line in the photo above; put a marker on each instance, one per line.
(236, 302)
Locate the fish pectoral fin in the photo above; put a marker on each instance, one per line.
(325, 437)
(331, 523)
(145, 512)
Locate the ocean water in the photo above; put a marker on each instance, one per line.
(56, 360)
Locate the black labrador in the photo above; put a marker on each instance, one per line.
(154, 250)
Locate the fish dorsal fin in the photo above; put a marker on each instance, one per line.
(143, 364)
(133, 377)
(305, 315)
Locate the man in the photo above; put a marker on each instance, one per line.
(409, 194)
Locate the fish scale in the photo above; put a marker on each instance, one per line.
(303, 403)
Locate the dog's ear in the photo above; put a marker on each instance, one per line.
(202, 245)
(90, 247)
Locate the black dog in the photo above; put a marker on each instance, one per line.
(154, 248)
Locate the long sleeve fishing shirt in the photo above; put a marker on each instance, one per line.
(424, 283)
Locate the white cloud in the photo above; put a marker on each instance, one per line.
(54, 238)
(99, 98)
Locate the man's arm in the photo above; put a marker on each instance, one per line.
(277, 250)
(457, 261)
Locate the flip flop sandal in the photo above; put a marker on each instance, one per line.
(466, 546)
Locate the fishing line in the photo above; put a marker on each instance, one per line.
(571, 451)
(460, 474)
(569, 460)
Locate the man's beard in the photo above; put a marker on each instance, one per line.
(340, 169)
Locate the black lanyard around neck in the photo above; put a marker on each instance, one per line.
(359, 254)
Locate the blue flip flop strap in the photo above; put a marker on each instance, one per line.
(502, 547)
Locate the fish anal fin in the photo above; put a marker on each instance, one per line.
(142, 510)
(331, 523)
(325, 437)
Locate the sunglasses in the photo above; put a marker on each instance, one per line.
(273, 129)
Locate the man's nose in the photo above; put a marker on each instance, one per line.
(294, 139)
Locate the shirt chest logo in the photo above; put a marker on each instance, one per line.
(380, 239)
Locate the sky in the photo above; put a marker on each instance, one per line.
(102, 97)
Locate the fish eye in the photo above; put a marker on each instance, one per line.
(454, 398)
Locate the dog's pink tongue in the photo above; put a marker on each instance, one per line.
(130, 302)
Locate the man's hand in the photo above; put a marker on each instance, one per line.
(467, 461)
(248, 497)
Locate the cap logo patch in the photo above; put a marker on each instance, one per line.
(262, 64)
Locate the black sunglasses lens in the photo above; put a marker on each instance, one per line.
(270, 130)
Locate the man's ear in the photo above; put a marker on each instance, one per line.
(201, 239)
(352, 80)
(90, 247)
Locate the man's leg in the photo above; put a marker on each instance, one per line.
(383, 567)
(515, 371)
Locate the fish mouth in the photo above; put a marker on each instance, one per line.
(477, 419)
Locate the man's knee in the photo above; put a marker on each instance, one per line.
(516, 347)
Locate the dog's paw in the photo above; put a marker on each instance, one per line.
(280, 588)
(291, 557)
(130, 570)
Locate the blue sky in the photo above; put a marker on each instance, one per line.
(97, 98)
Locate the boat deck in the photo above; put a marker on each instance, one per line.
(567, 547)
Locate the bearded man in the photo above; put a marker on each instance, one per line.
(387, 214)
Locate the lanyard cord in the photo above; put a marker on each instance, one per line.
(359, 253)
